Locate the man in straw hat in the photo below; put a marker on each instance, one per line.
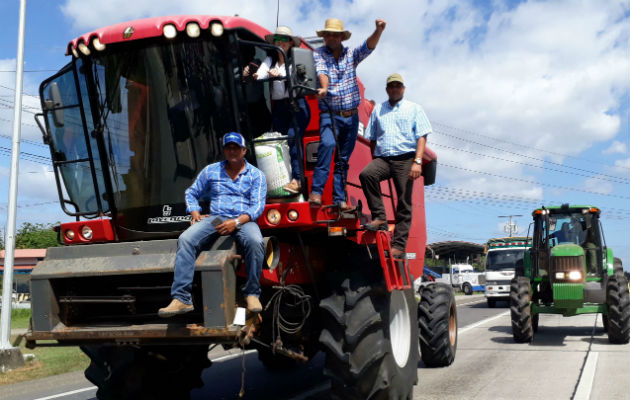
(399, 128)
(336, 70)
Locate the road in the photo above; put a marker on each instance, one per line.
(570, 358)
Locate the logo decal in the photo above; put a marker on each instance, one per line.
(128, 32)
(166, 210)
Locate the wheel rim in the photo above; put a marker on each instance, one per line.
(452, 327)
(399, 328)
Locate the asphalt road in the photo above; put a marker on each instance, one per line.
(570, 358)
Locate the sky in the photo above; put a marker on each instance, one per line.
(529, 100)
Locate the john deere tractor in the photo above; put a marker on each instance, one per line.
(569, 271)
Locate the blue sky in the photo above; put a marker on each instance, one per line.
(529, 100)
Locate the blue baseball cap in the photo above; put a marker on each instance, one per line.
(233, 137)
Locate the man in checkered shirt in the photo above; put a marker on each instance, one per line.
(336, 71)
(398, 128)
(237, 191)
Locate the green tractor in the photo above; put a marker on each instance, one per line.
(569, 271)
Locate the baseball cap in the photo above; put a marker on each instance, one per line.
(233, 137)
(395, 78)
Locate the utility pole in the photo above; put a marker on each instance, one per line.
(11, 357)
(510, 227)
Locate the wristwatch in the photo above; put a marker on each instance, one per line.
(238, 224)
(418, 160)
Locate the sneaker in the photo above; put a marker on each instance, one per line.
(345, 207)
(315, 199)
(176, 307)
(293, 187)
(253, 304)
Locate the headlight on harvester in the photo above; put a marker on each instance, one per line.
(575, 275)
(69, 234)
(273, 216)
(216, 29)
(193, 30)
(86, 232)
(169, 31)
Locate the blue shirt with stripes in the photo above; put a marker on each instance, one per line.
(229, 198)
(343, 89)
(397, 129)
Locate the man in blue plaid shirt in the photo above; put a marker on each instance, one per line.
(237, 192)
(398, 128)
(336, 71)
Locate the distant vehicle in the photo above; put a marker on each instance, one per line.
(503, 257)
(459, 276)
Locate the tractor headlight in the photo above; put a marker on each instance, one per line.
(575, 275)
(559, 275)
(69, 234)
(86, 232)
(273, 216)
(169, 31)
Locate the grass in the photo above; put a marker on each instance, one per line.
(47, 361)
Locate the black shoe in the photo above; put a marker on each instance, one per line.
(376, 225)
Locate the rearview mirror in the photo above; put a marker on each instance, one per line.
(55, 105)
(304, 76)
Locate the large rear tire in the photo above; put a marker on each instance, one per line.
(369, 336)
(437, 320)
(128, 372)
(520, 310)
(618, 300)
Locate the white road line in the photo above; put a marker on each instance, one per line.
(585, 384)
(483, 321)
(472, 302)
(56, 396)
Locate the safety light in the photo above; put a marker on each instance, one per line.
(96, 43)
(273, 216)
(336, 231)
(69, 234)
(86, 232)
(84, 49)
(169, 31)
(575, 275)
(193, 30)
(293, 215)
(559, 275)
(216, 29)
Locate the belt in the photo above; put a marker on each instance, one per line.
(346, 113)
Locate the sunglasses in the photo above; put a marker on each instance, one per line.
(281, 39)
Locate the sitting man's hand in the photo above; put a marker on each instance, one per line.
(195, 216)
(226, 227)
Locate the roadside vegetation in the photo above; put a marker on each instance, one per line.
(45, 361)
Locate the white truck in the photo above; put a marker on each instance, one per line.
(459, 276)
(503, 257)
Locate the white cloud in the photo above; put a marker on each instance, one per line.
(542, 74)
(598, 186)
(616, 147)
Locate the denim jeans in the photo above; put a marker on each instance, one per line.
(282, 121)
(202, 233)
(347, 128)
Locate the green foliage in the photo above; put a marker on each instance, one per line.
(35, 236)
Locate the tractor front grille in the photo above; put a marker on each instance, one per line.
(567, 263)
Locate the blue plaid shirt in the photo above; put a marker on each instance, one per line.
(228, 198)
(397, 129)
(343, 89)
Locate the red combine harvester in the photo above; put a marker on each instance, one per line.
(130, 121)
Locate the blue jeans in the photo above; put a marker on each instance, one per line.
(347, 128)
(203, 233)
(282, 121)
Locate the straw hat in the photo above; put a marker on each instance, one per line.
(283, 31)
(395, 78)
(334, 25)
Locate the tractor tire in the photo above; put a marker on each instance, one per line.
(617, 266)
(369, 336)
(492, 303)
(437, 320)
(467, 289)
(129, 372)
(605, 322)
(520, 310)
(618, 300)
(535, 319)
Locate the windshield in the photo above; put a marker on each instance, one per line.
(569, 228)
(504, 259)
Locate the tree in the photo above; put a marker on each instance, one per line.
(35, 236)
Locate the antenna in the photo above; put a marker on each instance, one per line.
(277, 13)
(510, 227)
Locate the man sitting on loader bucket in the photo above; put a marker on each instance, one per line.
(237, 192)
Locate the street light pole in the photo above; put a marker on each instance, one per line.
(11, 357)
(510, 226)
